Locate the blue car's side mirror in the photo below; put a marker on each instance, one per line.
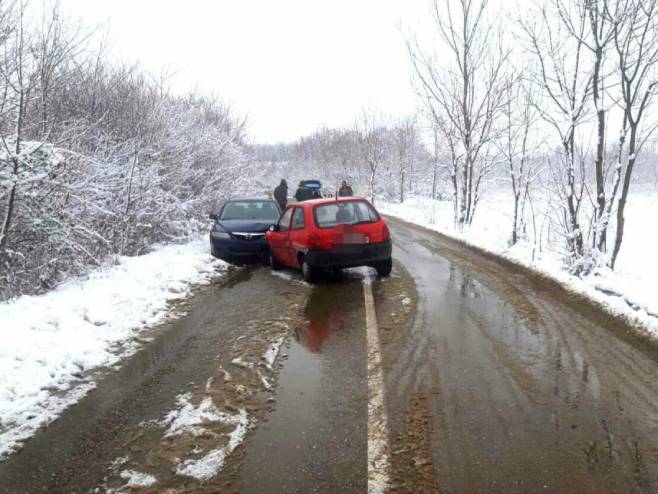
(213, 216)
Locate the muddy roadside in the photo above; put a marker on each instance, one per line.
(216, 363)
(410, 456)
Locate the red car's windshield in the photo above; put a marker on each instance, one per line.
(344, 213)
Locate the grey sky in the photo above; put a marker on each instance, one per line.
(292, 65)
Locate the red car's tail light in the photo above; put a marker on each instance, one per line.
(386, 234)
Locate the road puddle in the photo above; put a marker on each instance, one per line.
(323, 317)
(315, 439)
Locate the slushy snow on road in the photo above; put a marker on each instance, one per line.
(53, 340)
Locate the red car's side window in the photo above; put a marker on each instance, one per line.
(284, 221)
(297, 219)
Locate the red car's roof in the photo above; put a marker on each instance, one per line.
(329, 200)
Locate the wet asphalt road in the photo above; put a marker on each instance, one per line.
(496, 382)
(528, 391)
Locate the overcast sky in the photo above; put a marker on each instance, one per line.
(291, 65)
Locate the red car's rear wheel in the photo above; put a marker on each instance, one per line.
(384, 267)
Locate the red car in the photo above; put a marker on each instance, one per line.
(330, 234)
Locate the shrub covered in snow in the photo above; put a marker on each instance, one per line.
(98, 160)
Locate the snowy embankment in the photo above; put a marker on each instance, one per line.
(629, 291)
(52, 341)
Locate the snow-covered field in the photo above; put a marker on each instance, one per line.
(51, 341)
(636, 274)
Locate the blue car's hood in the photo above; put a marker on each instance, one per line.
(245, 225)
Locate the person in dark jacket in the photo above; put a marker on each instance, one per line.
(345, 190)
(304, 193)
(281, 194)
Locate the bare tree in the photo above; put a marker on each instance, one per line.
(636, 44)
(370, 132)
(517, 144)
(565, 81)
(55, 44)
(467, 92)
(404, 137)
(19, 80)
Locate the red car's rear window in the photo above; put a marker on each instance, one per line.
(344, 213)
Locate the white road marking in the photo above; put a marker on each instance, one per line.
(378, 448)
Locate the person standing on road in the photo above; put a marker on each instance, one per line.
(345, 190)
(281, 194)
(302, 194)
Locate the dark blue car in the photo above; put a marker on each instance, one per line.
(238, 233)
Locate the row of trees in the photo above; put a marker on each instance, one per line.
(554, 104)
(381, 157)
(97, 159)
(571, 98)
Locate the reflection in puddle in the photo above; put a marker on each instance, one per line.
(324, 316)
(315, 440)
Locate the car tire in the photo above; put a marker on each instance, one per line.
(213, 252)
(384, 267)
(308, 272)
(274, 264)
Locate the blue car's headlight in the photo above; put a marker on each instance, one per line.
(219, 235)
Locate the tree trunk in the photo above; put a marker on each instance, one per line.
(515, 220)
(436, 164)
(434, 181)
(371, 185)
(621, 205)
(455, 187)
(6, 223)
(601, 225)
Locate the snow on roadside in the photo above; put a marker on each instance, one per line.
(50, 340)
(629, 291)
(136, 480)
(273, 352)
(210, 464)
(188, 418)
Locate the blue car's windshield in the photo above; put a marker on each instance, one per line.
(250, 210)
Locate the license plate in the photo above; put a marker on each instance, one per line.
(355, 238)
